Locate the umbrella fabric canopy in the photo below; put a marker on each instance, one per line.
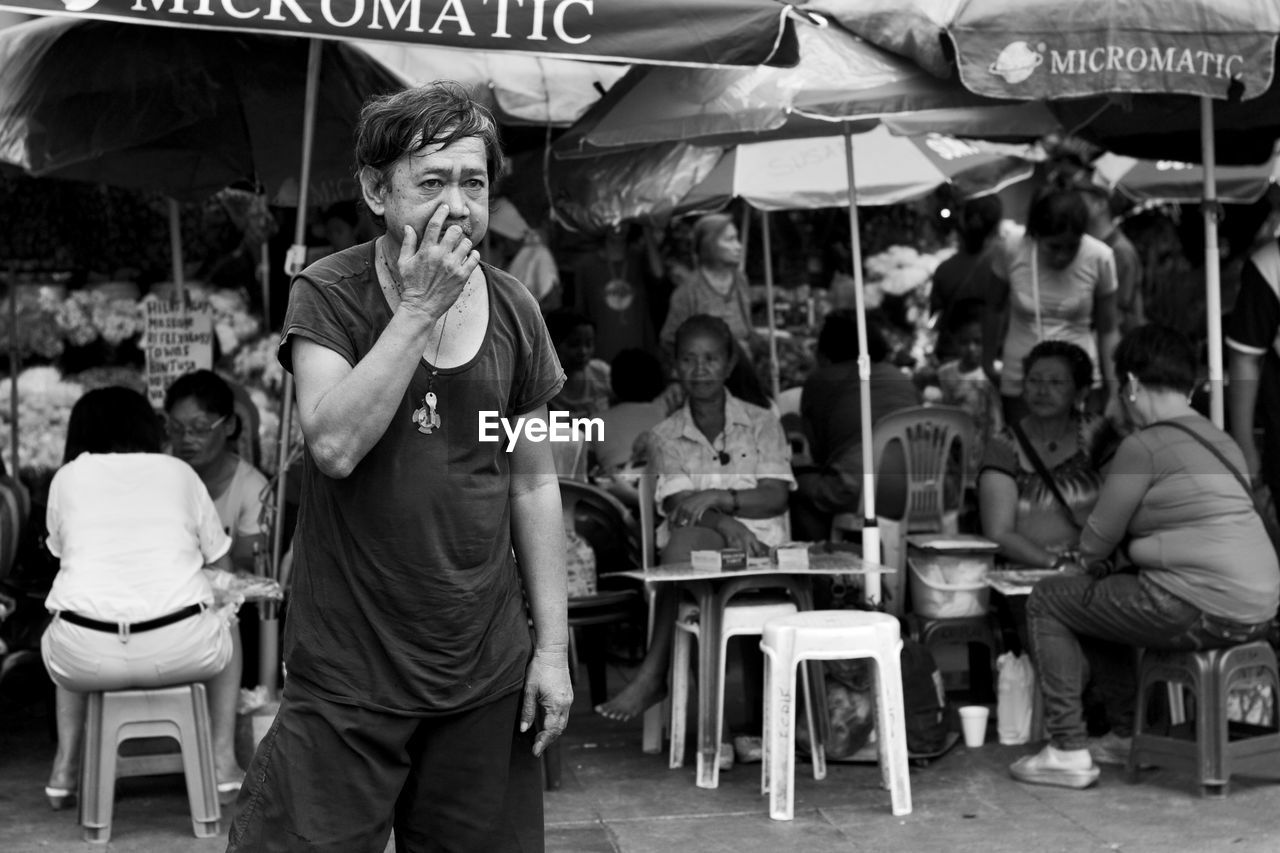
(727, 32)
(185, 112)
(518, 89)
(1092, 56)
(1156, 66)
(1178, 181)
(810, 173)
(838, 77)
(1022, 49)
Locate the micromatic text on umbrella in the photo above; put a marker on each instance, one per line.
(558, 426)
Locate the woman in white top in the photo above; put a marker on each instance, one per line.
(724, 477)
(134, 529)
(204, 429)
(1057, 283)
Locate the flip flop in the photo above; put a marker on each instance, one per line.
(1042, 769)
(228, 791)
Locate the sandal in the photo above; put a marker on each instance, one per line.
(1046, 768)
(228, 791)
(59, 798)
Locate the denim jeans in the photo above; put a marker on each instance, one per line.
(1083, 629)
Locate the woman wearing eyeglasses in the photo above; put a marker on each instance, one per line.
(133, 529)
(1038, 480)
(203, 429)
(723, 478)
(1177, 558)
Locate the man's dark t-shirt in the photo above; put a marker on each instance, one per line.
(405, 594)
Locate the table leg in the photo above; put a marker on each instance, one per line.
(708, 685)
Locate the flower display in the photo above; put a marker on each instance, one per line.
(232, 322)
(898, 283)
(35, 332)
(88, 315)
(45, 399)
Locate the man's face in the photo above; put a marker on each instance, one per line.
(418, 183)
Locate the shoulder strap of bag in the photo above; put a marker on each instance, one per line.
(1039, 465)
(1240, 478)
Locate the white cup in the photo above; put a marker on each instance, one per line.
(973, 721)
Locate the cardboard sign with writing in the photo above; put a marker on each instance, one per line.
(179, 339)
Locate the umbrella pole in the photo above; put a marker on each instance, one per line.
(768, 300)
(870, 531)
(175, 254)
(268, 656)
(1212, 273)
(14, 367)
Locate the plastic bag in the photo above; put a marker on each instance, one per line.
(1015, 693)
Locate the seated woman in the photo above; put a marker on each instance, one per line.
(204, 429)
(1203, 572)
(133, 528)
(723, 474)
(1035, 512)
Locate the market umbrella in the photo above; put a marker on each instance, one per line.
(839, 78)
(185, 112)
(1149, 73)
(704, 32)
(791, 174)
(1155, 181)
(517, 89)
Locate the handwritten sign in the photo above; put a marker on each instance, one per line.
(179, 339)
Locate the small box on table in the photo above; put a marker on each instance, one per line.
(724, 560)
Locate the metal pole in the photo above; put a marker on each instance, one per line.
(765, 245)
(1212, 272)
(870, 530)
(175, 254)
(15, 366)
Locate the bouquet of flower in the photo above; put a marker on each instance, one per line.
(87, 315)
(232, 322)
(36, 331)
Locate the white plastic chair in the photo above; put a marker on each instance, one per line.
(932, 440)
(831, 635)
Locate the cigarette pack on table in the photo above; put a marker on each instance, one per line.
(732, 559)
(791, 555)
(705, 561)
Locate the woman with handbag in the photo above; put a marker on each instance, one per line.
(1038, 480)
(1203, 571)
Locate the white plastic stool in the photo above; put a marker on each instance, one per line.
(741, 617)
(181, 713)
(831, 635)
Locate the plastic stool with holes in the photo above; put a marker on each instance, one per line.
(831, 635)
(740, 618)
(181, 713)
(1216, 747)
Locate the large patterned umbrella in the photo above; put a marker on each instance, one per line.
(1143, 77)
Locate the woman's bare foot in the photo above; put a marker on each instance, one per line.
(636, 698)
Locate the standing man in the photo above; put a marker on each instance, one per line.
(412, 680)
(1252, 331)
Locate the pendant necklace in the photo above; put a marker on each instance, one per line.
(426, 416)
(1052, 444)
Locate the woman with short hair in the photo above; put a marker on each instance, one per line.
(1177, 559)
(134, 528)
